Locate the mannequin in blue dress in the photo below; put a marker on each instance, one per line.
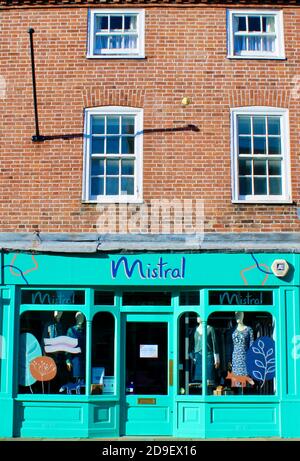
(242, 339)
(76, 362)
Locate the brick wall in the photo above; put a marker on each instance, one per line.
(41, 183)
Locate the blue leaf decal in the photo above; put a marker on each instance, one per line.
(259, 364)
(260, 359)
(257, 375)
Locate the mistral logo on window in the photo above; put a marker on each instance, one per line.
(161, 271)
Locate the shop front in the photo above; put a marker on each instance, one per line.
(198, 345)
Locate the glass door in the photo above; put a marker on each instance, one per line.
(148, 374)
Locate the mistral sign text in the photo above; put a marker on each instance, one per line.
(162, 270)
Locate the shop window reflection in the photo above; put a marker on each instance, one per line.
(103, 340)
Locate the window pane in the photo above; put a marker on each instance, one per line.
(127, 167)
(127, 186)
(116, 42)
(127, 145)
(116, 23)
(259, 146)
(102, 42)
(147, 298)
(245, 186)
(244, 145)
(274, 125)
(127, 125)
(260, 167)
(97, 186)
(240, 44)
(48, 364)
(112, 145)
(101, 23)
(254, 43)
(260, 186)
(104, 298)
(241, 23)
(274, 167)
(112, 186)
(103, 353)
(245, 167)
(259, 125)
(269, 22)
(113, 125)
(254, 23)
(130, 23)
(98, 124)
(97, 167)
(97, 145)
(275, 186)
(112, 167)
(130, 42)
(274, 146)
(269, 44)
(190, 356)
(244, 125)
(189, 298)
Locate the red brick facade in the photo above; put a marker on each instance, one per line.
(186, 55)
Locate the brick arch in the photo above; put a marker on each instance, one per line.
(269, 98)
(96, 97)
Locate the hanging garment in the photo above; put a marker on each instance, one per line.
(242, 340)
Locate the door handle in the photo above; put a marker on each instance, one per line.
(171, 372)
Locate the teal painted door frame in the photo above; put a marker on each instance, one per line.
(148, 414)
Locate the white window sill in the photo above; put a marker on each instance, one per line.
(116, 201)
(114, 56)
(263, 202)
(268, 57)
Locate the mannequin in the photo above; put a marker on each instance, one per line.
(54, 328)
(242, 338)
(213, 359)
(76, 362)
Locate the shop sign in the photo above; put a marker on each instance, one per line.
(48, 297)
(148, 271)
(241, 298)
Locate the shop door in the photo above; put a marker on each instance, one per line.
(148, 375)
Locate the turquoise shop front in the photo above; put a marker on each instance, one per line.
(200, 345)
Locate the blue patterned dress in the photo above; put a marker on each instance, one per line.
(242, 340)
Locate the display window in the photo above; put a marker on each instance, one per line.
(52, 352)
(240, 353)
(103, 354)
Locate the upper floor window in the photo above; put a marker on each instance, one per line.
(260, 154)
(116, 33)
(255, 34)
(113, 155)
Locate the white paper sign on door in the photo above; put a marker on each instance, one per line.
(148, 351)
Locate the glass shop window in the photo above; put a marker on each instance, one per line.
(189, 298)
(103, 353)
(147, 298)
(190, 363)
(104, 298)
(52, 352)
(241, 353)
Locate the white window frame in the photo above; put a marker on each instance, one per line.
(138, 156)
(285, 148)
(279, 52)
(117, 54)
